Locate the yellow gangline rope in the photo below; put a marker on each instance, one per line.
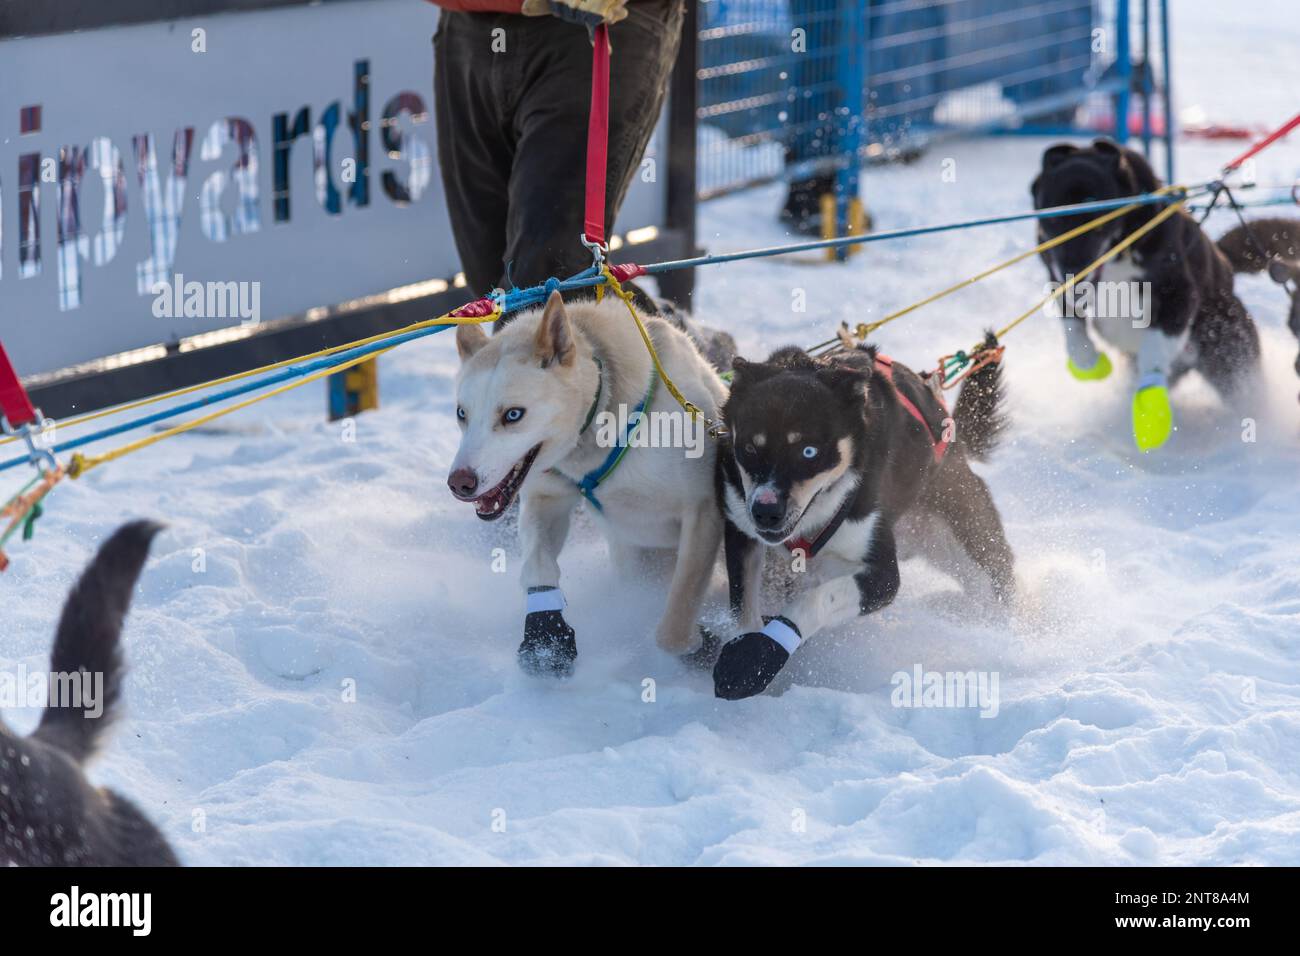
(713, 426)
(84, 463)
(1101, 260)
(445, 319)
(862, 331)
(866, 328)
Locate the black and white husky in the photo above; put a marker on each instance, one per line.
(1191, 318)
(50, 815)
(831, 456)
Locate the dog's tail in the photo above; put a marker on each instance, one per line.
(980, 413)
(87, 641)
(1251, 250)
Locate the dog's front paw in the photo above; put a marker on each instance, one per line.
(747, 665)
(549, 648)
(1095, 373)
(1153, 419)
(706, 655)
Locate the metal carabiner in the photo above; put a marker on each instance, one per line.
(41, 457)
(599, 251)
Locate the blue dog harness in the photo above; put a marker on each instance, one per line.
(591, 480)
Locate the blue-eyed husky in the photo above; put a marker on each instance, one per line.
(536, 403)
(831, 456)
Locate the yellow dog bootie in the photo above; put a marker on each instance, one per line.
(1153, 419)
(1099, 370)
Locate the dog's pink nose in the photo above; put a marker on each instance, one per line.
(463, 482)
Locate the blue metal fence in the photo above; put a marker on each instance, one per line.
(794, 88)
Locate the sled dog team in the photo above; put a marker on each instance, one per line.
(849, 460)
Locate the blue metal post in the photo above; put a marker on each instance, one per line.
(851, 78)
(1147, 77)
(1123, 70)
(1168, 94)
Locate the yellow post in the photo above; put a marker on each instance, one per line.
(857, 222)
(857, 225)
(828, 222)
(354, 390)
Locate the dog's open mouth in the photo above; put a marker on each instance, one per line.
(492, 504)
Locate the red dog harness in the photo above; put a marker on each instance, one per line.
(885, 366)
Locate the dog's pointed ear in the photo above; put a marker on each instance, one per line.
(1053, 155)
(1108, 148)
(849, 384)
(743, 371)
(555, 342)
(469, 339)
(1134, 172)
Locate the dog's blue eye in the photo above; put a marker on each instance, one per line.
(460, 413)
(512, 415)
(809, 451)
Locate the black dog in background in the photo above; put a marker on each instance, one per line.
(1272, 244)
(49, 814)
(1193, 319)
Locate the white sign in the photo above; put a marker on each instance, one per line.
(168, 179)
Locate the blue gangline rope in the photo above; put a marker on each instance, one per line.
(1146, 199)
(511, 301)
(514, 299)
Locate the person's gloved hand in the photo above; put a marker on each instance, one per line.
(1153, 419)
(588, 13)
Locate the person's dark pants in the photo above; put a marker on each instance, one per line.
(512, 132)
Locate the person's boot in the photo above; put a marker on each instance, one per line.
(803, 204)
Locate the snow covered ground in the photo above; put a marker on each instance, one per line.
(1149, 704)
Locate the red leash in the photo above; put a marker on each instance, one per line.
(598, 139)
(14, 403)
(1264, 143)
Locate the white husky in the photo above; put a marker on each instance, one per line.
(542, 407)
